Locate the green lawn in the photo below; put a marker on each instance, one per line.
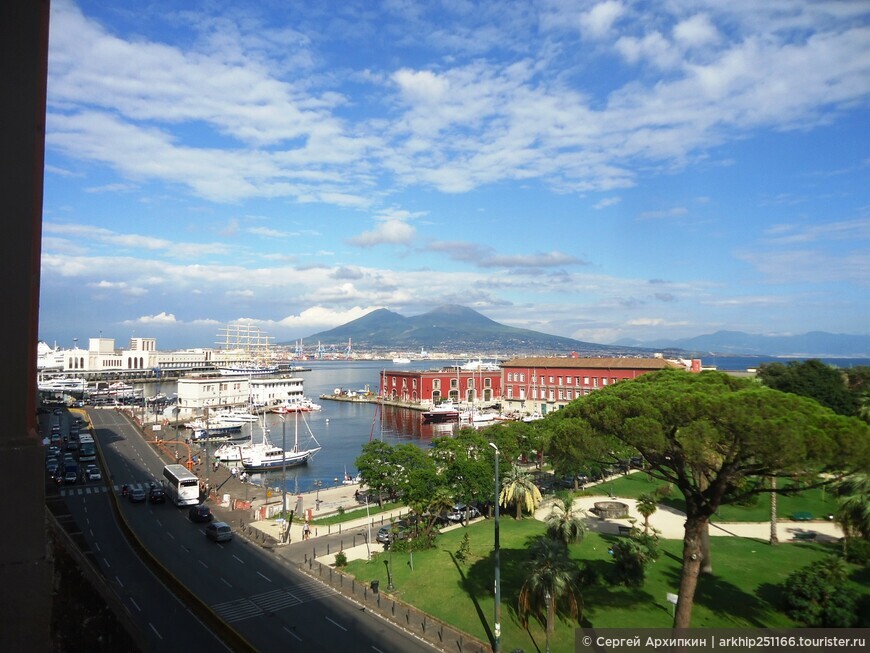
(818, 502)
(743, 592)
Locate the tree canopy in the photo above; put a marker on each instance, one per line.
(712, 436)
(828, 385)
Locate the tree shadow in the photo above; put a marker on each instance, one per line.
(726, 598)
(473, 592)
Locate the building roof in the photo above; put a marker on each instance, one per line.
(593, 363)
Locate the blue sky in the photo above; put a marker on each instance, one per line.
(596, 170)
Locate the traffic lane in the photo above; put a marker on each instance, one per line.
(161, 617)
(259, 595)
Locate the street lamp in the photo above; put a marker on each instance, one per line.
(283, 469)
(497, 627)
(547, 599)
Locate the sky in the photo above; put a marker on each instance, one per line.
(601, 170)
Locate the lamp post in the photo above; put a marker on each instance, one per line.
(497, 626)
(547, 599)
(283, 468)
(317, 484)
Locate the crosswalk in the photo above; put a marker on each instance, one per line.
(82, 490)
(269, 602)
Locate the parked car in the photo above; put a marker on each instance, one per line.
(219, 531)
(52, 466)
(70, 477)
(385, 533)
(200, 513)
(458, 514)
(53, 451)
(92, 473)
(157, 495)
(136, 495)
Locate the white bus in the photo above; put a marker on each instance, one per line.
(181, 484)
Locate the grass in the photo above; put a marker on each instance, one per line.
(743, 592)
(819, 502)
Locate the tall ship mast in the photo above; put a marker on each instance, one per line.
(244, 351)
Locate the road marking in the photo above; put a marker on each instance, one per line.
(155, 630)
(106, 562)
(133, 601)
(266, 577)
(170, 535)
(335, 623)
(239, 559)
(97, 547)
(119, 581)
(290, 632)
(202, 563)
(226, 581)
(376, 649)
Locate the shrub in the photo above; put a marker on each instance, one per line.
(464, 549)
(340, 559)
(858, 551)
(816, 595)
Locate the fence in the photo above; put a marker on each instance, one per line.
(419, 624)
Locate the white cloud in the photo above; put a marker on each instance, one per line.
(607, 201)
(392, 232)
(421, 86)
(696, 31)
(162, 318)
(598, 21)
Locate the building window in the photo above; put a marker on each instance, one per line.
(585, 380)
(470, 383)
(561, 395)
(454, 383)
(551, 378)
(603, 380)
(487, 382)
(594, 381)
(523, 377)
(510, 392)
(414, 383)
(560, 381)
(436, 384)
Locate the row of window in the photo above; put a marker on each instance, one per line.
(436, 383)
(558, 380)
(546, 394)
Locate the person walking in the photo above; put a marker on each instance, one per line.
(306, 531)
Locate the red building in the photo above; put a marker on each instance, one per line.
(427, 387)
(541, 385)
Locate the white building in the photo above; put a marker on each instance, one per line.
(197, 392)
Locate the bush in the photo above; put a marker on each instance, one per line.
(857, 551)
(464, 549)
(340, 559)
(817, 596)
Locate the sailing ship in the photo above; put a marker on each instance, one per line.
(268, 456)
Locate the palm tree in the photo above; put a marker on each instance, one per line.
(518, 489)
(550, 571)
(853, 509)
(646, 506)
(564, 523)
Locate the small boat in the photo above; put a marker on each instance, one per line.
(235, 416)
(212, 428)
(401, 360)
(443, 412)
(300, 405)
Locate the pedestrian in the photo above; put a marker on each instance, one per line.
(234, 471)
(306, 531)
(216, 465)
(356, 494)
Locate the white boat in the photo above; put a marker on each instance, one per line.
(296, 405)
(401, 360)
(62, 384)
(480, 366)
(213, 428)
(443, 412)
(268, 456)
(235, 416)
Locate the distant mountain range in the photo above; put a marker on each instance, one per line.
(454, 328)
(817, 344)
(458, 328)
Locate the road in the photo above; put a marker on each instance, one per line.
(262, 596)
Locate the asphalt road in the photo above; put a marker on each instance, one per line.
(262, 596)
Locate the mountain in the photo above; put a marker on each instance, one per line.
(451, 328)
(813, 344)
